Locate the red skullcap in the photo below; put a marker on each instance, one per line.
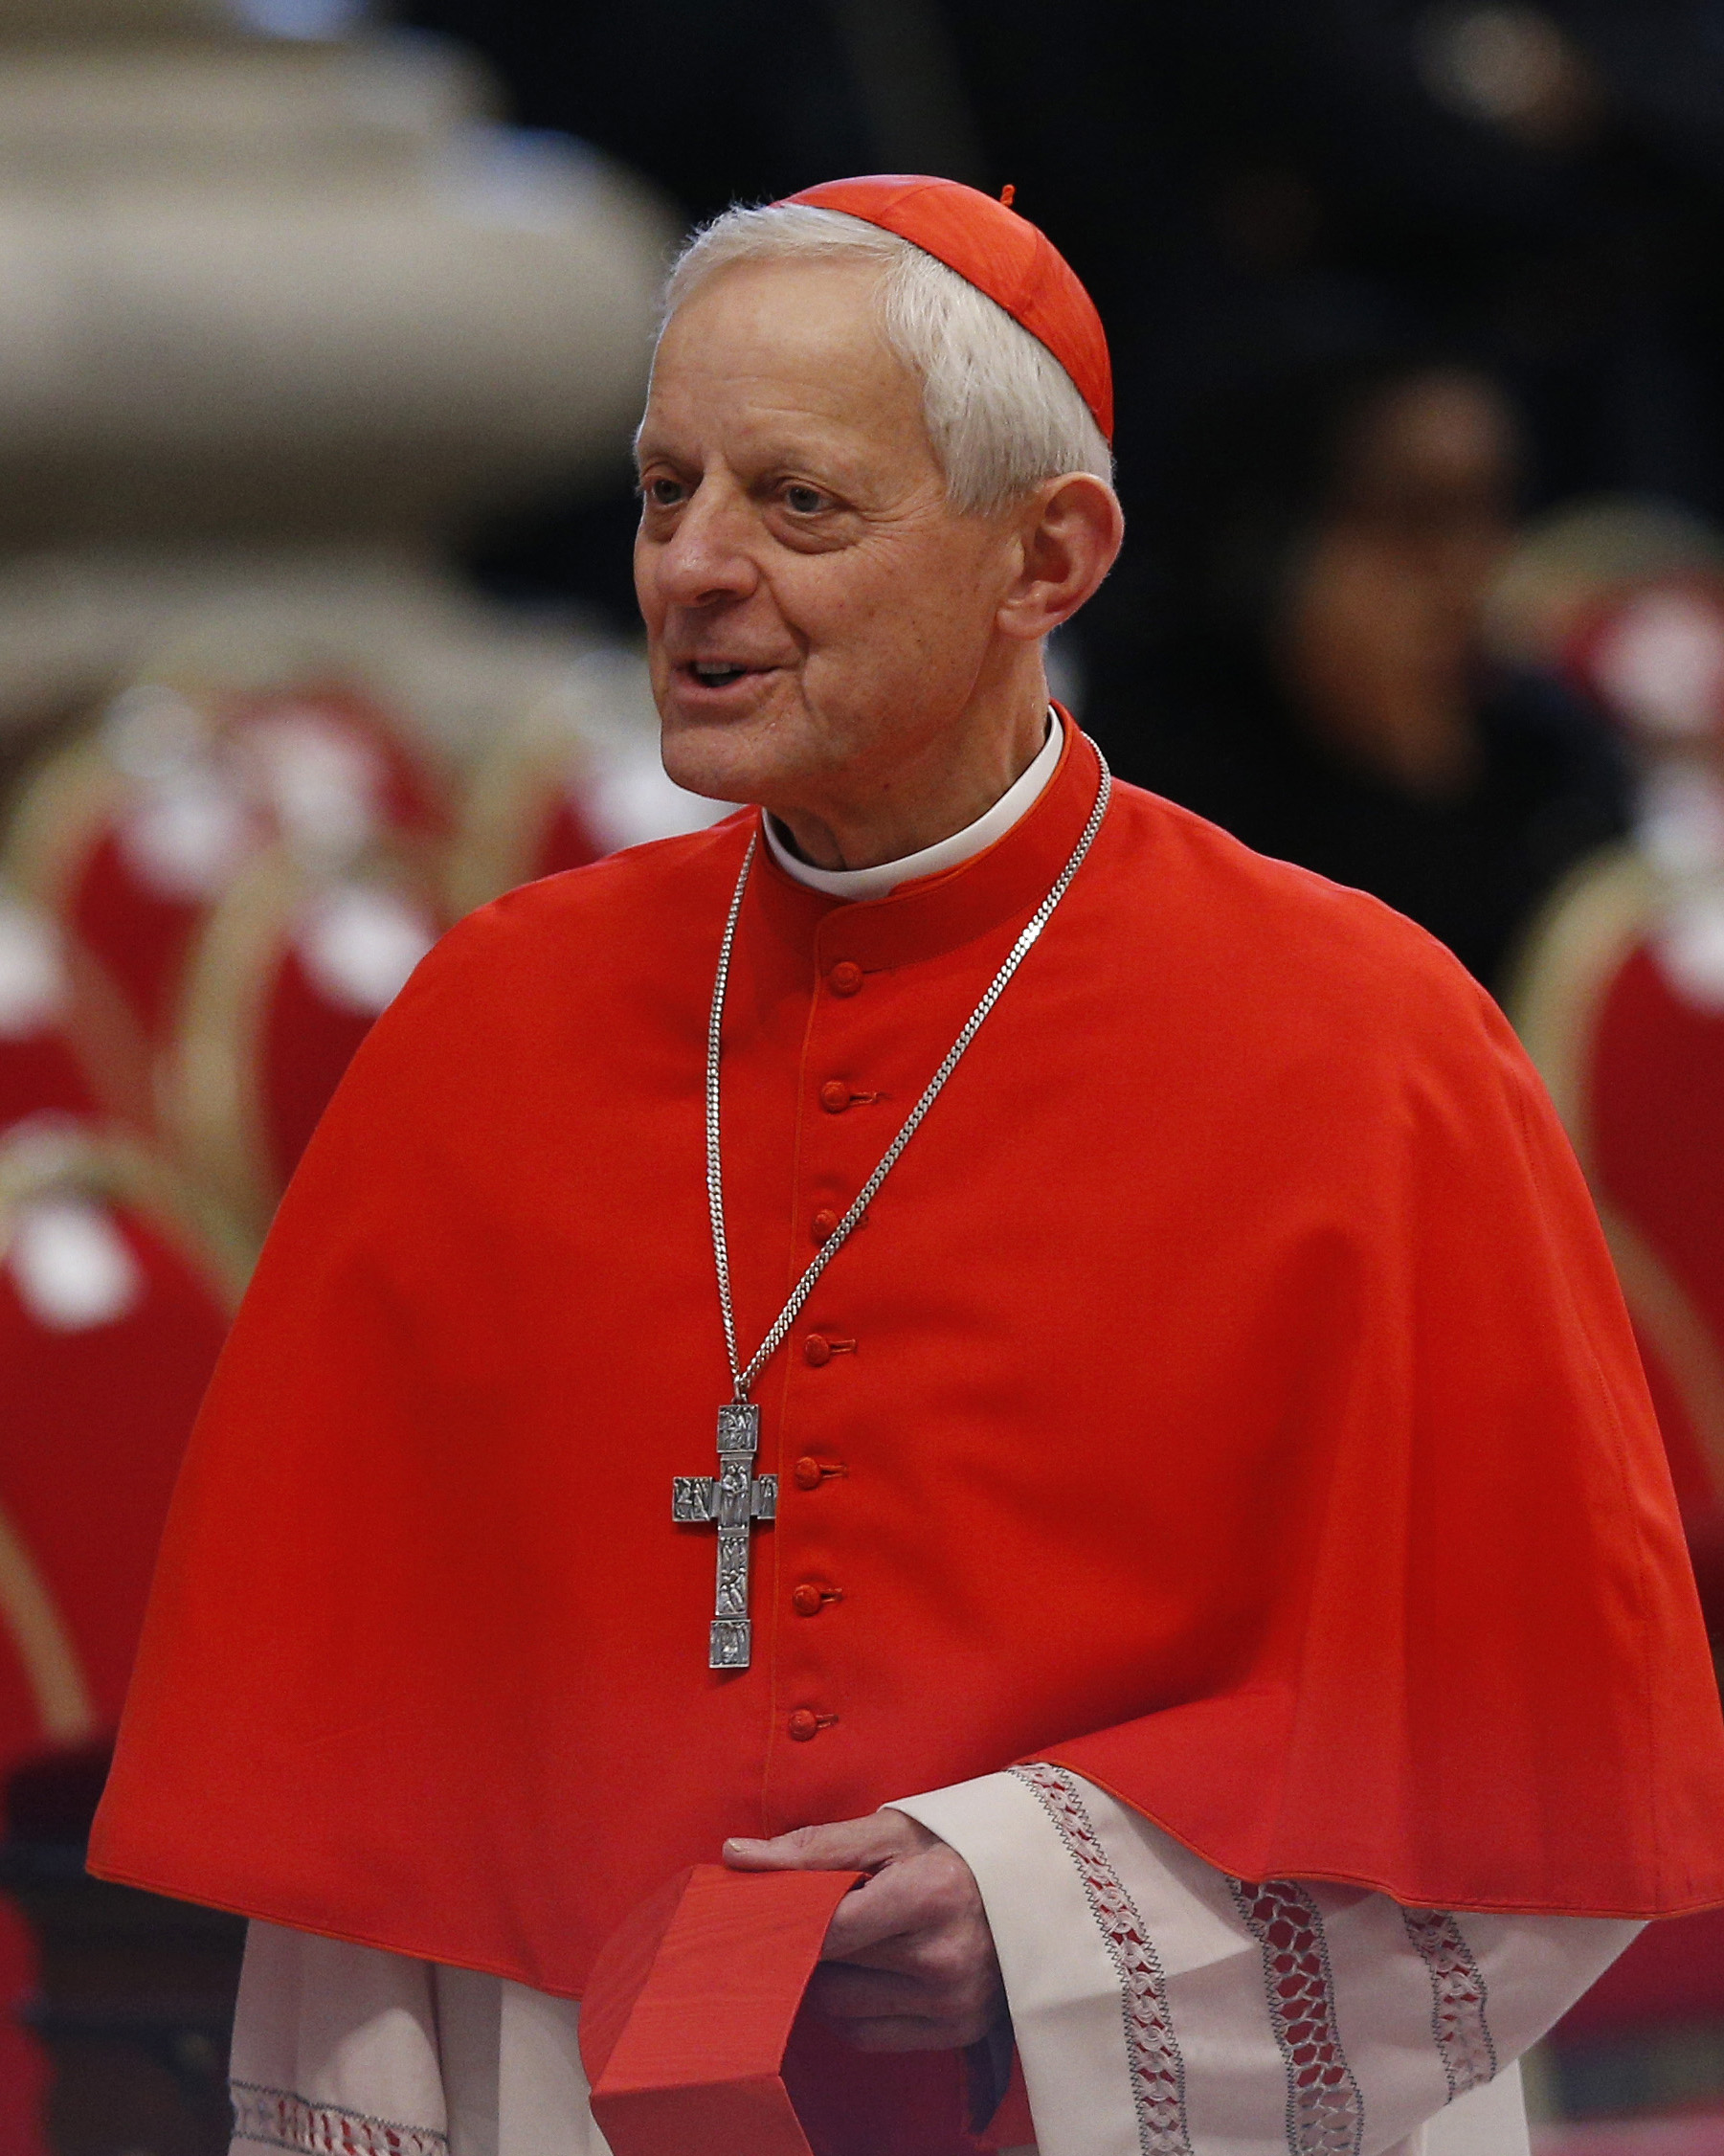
(998, 251)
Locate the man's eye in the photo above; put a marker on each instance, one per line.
(662, 493)
(804, 501)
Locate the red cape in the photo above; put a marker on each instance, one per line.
(1228, 1395)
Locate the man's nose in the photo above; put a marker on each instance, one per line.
(708, 557)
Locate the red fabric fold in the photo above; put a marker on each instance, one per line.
(1241, 1410)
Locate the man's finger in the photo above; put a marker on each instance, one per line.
(847, 1845)
(904, 1898)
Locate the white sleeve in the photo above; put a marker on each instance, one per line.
(351, 2048)
(1161, 2007)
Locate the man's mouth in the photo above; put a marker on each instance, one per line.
(714, 674)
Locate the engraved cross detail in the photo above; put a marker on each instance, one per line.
(734, 1500)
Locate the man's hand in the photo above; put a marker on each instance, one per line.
(908, 1963)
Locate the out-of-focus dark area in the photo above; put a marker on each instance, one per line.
(321, 336)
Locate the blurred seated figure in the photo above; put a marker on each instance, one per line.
(254, 875)
(1620, 998)
(1322, 692)
(288, 973)
(1570, 565)
(114, 1301)
(131, 835)
(114, 1294)
(66, 1041)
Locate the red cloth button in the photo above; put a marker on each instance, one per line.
(806, 1474)
(835, 1096)
(807, 1599)
(845, 978)
(803, 1725)
(817, 1350)
(822, 1225)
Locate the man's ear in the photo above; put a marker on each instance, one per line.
(1070, 532)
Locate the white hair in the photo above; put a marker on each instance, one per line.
(1003, 414)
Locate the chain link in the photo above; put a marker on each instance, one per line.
(745, 1379)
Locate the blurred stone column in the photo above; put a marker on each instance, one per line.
(274, 310)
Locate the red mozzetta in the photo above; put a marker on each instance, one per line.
(1228, 1395)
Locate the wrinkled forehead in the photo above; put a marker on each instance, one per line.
(778, 296)
(765, 350)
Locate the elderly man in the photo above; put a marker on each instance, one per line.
(1188, 1521)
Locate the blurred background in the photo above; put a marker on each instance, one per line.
(322, 331)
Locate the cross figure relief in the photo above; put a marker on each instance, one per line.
(734, 1500)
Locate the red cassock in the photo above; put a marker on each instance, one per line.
(1228, 1395)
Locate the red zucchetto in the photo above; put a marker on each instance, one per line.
(998, 251)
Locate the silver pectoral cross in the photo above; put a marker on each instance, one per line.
(735, 1499)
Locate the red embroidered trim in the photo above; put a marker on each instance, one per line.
(282, 2119)
(1152, 2049)
(1325, 2114)
(1459, 2029)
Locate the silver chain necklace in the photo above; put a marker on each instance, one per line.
(735, 1499)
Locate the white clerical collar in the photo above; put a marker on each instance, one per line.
(1017, 801)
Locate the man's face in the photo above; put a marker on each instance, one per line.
(815, 611)
(1383, 612)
